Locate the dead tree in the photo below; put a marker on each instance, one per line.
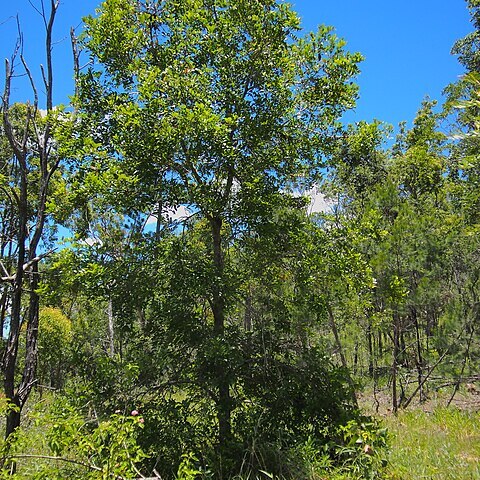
(33, 163)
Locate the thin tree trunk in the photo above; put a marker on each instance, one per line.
(403, 360)
(355, 358)
(338, 344)
(111, 327)
(3, 310)
(224, 404)
(31, 350)
(420, 360)
(10, 355)
(247, 319)
(370, 349)
(425, 378)
(464, 363)
(396, 348)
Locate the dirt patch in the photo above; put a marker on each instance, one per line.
(380, 403)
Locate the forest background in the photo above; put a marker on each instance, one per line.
(204, 319)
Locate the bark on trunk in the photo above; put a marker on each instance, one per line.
(30, 368)
(111, 340)
(224, 408)
(370, 349)
(338, 343)
(10, 355)
(396, 348)
(419, 354)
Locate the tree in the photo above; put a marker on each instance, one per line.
(219, 107)
(30, 162)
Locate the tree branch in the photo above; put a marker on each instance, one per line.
(27, 265)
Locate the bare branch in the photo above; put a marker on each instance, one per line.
(78, 462)
(38, 258)
(35, 8)
(20, 36)
(32, 83)
(16, 146)
(27, 265)
(76, 58)
(30, 117)
(7, 20)
(4, 269)
(9, 193)
(44, 16)
(48, 45)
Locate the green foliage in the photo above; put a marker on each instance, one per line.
(234, 333)
(467, 48)
(359, 163)
(187, 469)
(363, 452)
(55, 342)
(63, 443)
(221, 108)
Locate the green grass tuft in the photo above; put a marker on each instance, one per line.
(443, 445)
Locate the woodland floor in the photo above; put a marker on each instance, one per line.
(429, 440)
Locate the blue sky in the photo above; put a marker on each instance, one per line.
(406, 47)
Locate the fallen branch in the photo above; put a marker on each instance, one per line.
(412, 396)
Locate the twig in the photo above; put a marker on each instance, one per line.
(412, 396)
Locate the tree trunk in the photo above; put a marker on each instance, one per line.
(31, 350)
(3, 310)
(247, 319)
(420, 361)
(355, 358)
(403, 357)
(13, 418)
(396, 348)
(224, 404)
(111, 328)
(464, 363)
(10, 355)
(338, 343)
(370, 349)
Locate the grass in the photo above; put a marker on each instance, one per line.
(442, 445)
(426, 442)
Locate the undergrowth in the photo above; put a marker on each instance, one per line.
(442, 445)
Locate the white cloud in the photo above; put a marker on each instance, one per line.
(151, 220)
(179, 213)
(91, 241)
(318, 201)
(171, 214)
